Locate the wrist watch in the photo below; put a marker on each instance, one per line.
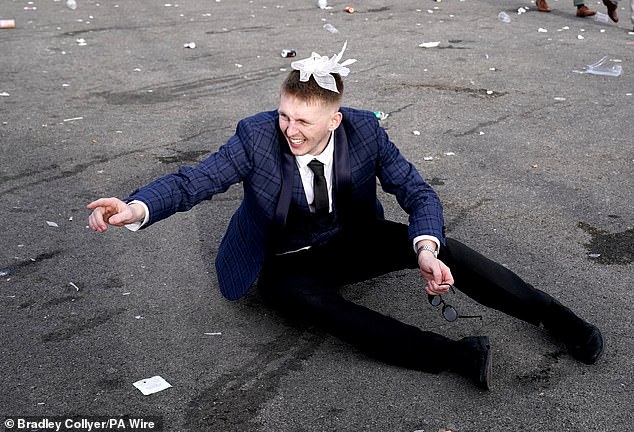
(427, 247)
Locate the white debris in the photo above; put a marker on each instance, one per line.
(504, 17)
(152, 385)
(416, 132)
(52, 224)
(330, 28)
(429, 44)
(600, 68)
(191, 45)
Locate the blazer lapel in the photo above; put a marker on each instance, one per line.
(342, 172)
(286, 192)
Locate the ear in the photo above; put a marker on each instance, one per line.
(335, 120)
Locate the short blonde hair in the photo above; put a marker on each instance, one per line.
(310, 91)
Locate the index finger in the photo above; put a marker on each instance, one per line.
(101, 202)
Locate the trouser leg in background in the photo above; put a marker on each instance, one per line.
(305, 285)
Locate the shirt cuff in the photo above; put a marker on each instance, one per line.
(428, 237)
(138, 225)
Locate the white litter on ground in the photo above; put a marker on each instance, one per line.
(152, 385)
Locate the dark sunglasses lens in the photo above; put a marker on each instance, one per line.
(434, 300)
(449, 313)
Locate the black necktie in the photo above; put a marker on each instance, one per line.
(320, 189)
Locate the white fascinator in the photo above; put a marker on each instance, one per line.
(321, 68)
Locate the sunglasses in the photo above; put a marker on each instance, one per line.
(448, 312)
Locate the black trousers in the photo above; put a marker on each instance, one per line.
(304, 285)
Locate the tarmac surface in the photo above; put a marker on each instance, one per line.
(533, 161)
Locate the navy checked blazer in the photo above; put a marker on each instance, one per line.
(257, 156)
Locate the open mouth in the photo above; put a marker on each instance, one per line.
(296, 142)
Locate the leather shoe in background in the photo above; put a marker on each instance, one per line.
(542, 6)
(611, 10)
(583, 11)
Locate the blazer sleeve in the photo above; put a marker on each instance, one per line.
(180, 191)
(401, 178)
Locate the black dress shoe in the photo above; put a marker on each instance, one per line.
(586, 347)
(583, 340)
(473, 360)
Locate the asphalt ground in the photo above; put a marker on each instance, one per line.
(534, 164)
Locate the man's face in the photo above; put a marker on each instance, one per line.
(307, 127)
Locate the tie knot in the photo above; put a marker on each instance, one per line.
(316, 167)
